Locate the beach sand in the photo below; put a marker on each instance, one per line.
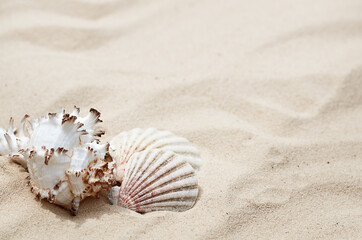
(269, 91)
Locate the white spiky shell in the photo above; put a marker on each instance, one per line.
(156, 180)
(49, 131)
(125, 144)
(64, 159)
(66, 177)
(10, 144)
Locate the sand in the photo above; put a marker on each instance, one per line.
(269, 91)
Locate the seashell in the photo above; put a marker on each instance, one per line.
(125, 144)
(49, 131)
(65, 161)
(156, 180)
(11, 144)
(66, 177)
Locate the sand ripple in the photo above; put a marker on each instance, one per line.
(270, 91)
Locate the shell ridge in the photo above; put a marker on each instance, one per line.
(160, 143)
(153, 136)
(138, 138)
(183, 195)
(131, 142)
(157, 180)
(135, 165)
(174, 205)
(130, 169)
(155, 176)
(155, 160)
(179, 174)
(150, 157)
(135, 161)
(127, 143)
(164, 192)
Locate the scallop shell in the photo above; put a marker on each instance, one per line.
(125, 144)
(156, 180)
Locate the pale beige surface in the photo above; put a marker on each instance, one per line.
(270, 91)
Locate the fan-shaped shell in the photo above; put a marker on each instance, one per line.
(125, 144)
(156, 180)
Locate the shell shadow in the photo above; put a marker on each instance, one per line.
(90, 208)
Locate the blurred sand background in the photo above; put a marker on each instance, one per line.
(270, 91)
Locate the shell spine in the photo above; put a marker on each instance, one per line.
(65, 160)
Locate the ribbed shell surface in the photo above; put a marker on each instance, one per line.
(157, 180)
(124, 145)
